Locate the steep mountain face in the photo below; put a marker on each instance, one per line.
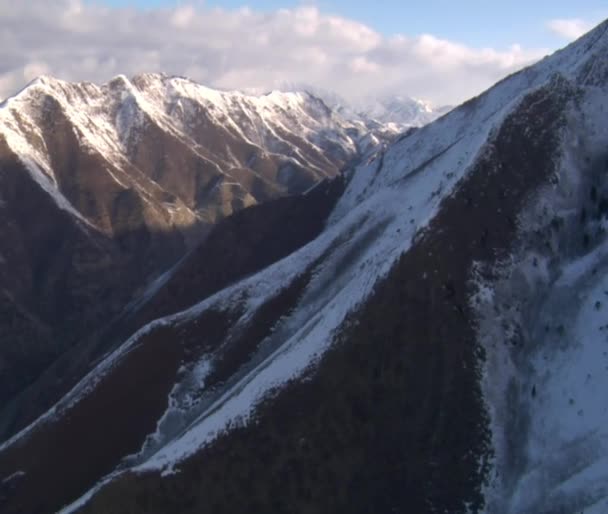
(104, 187)
(433, 342)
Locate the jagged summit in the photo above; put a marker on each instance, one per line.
(286, 140)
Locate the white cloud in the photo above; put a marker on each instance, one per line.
(240, 48)
(569, 28)
(363, 65)
(183, 16)
(34, 69)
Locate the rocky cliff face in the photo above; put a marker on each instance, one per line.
(434, 341)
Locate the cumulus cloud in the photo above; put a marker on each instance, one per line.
(569, 28)
(240, 48)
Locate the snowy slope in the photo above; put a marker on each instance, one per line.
(545, 392)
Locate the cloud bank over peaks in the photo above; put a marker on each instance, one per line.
(241, 48)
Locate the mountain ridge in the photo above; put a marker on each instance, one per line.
(105, 187)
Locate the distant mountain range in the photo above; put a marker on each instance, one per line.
(396, 322)
(396, 112)
(400, 111)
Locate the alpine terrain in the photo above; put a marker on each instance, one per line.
(104, 188)
(401, 324)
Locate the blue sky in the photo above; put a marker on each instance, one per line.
(473, 22)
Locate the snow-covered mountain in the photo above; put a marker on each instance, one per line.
(400, 111)
(103, 187)
(237, 149)
(393, 113)
(433, 340)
